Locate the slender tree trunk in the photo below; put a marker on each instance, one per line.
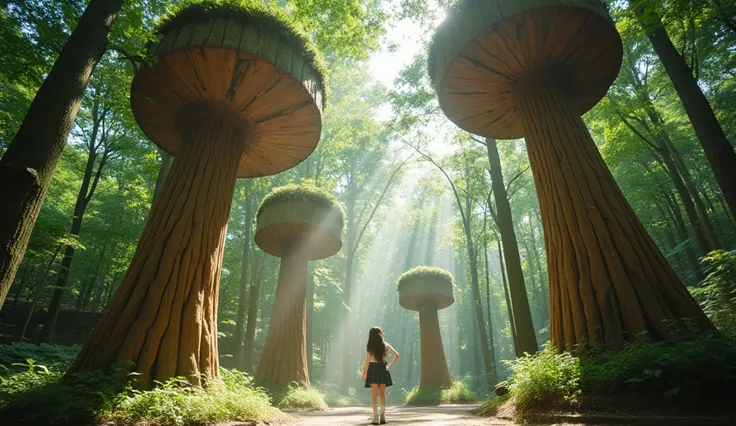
(510, 311)
(676, 215)
(243, 293)
(526, 337)
(86, 191)
(351, 233)
(478, 305)
(250, 327)
(163, 315)
(284, 357)
(83, 301)
(610, 281)
(718, 150)
(39, 291)
(310, 321)
(22, 283)
(28, 164)
(491, 340)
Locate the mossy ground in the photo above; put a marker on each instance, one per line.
(459, 393)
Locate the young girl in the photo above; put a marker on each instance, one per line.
(375, 370)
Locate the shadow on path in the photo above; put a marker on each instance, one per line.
(451, 415)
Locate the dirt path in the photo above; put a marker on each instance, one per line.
(450, 415)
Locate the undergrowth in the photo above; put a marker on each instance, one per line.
(298, 396)
(685, 371)
(334, 396)
(459, 393)
(98, 398)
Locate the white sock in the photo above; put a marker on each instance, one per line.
(383, 409)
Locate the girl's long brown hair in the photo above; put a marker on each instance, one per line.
(376, 346)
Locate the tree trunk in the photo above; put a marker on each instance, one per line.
(351, 234)
(284, 357)
(478, 306)
(39, 291)
(250, 327)
(163, 316)
(718, 150)
(510, 312)
(679, 222)
(28, 164)
(608, 281)
(435, 374)
(80, 207)
(310, 321)
(491, 340)
(243, 293)
(526, 337)
(22, 283)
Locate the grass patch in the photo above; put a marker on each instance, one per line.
(296, 396)
(309, 193)
(335, 397)
(459, 393)
(687, 371)
(270, 19)
(97, 398)
(425, 272)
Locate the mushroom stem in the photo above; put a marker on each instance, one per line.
(607, 279)
(435, 374)
(285, 352)
(164, 315)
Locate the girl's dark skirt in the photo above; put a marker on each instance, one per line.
(378, 375)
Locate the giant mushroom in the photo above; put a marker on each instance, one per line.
(298, 224)
(427, 290)
(233, 90)
(531, 68)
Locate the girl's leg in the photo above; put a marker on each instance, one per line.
(374, 398)
(382, 395)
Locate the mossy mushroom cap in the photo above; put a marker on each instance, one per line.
(425, 284)
(302, 217)
(485, 49)
(242, 56)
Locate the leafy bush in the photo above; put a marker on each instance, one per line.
(717, 294)
(98, 397)
(229, 398)
(458, 393)
(544, 379)
(683, 370)
(336, 397)
(298, 396)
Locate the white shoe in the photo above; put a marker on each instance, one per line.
(375, 420)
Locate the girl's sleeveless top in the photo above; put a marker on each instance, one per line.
(385, 354)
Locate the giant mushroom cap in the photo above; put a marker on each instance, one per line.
(485, 47)
(425, 284)
(247, 58)
(302, 216)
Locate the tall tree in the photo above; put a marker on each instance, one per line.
(29, 162)
(717, 148)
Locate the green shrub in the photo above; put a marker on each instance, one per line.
(229, 398)
(55, 357)
(544, 379)
(717, 294)
(97, 397)
(685, 369)
(490, 407)
(298, 396)
(459, 393)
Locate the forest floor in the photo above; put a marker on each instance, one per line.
(451, 415)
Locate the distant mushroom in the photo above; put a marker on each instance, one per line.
(234, 90)
(427, 290)
(297, 224)
(531, 68)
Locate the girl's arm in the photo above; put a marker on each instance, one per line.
(365, 365)
(396, 355)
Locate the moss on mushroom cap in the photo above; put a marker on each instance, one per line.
(303, 193)
(425, 272)
(267, 18)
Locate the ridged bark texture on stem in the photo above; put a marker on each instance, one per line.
(164, 315)
(285, 352)
(435, 374)
(607, 278)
